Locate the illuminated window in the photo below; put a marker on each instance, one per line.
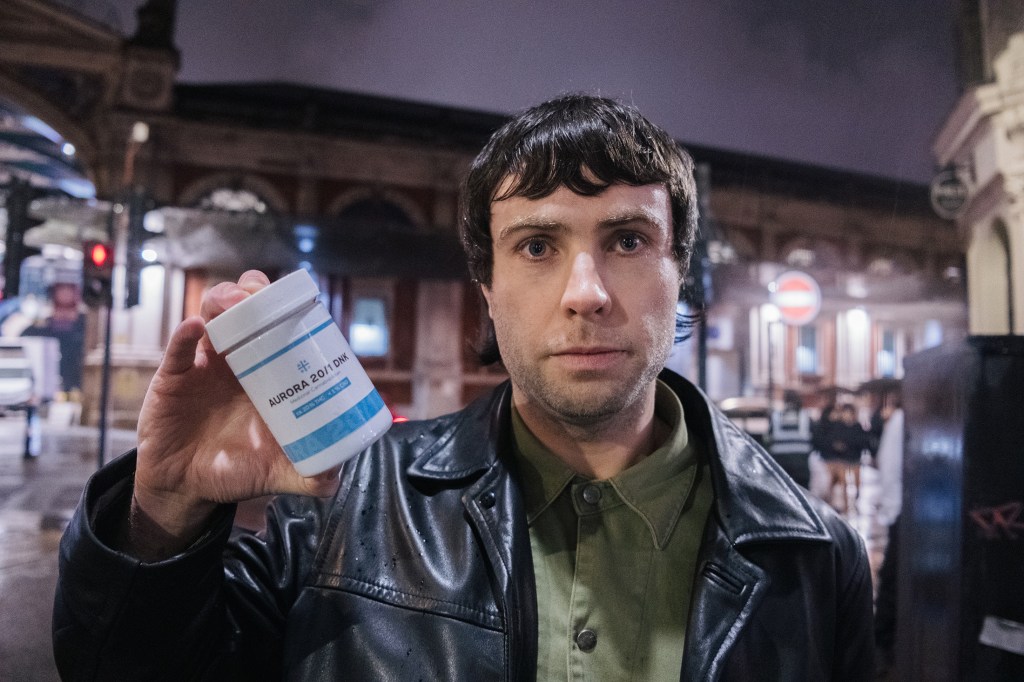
(807, 350)
(887, 354)
(882, 267)
(932, 334)
(368, 333)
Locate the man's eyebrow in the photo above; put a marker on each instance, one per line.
(631, 216)
(529, 224)
(539, 224)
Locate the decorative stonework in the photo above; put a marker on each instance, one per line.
(253, 184)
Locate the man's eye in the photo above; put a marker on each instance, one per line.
(629, 242)
(536, 248)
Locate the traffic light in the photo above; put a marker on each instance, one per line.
(139, 203)
(97, 272)
(19, 195)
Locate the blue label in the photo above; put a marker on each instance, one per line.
(336, 429)
(322, 398)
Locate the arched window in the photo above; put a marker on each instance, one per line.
(376, 214)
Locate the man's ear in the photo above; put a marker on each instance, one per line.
(486, 292)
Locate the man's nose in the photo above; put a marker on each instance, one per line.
(585, 293)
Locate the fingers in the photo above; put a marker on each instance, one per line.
(253, 280)
(180, 355)
(219, 298)
(222, 296)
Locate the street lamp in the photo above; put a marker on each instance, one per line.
(118, 231)
(770, 314)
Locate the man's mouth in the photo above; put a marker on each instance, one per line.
(589, 358)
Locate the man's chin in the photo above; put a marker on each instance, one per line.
(589, 406)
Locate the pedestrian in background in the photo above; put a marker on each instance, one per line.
(841, 441)
(889, 460)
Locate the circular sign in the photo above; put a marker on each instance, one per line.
(948, 194)
(797, 297)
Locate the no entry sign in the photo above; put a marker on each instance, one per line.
(797, 297)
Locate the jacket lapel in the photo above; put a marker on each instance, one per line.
(477, 446)
(754, 501)
(726, 591)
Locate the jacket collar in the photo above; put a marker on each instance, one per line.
(754, 500)
(468, 442)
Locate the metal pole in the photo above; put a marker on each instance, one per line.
(139, 135)
(104, 388)
(105, 376)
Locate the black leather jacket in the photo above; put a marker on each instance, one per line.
(420, 568)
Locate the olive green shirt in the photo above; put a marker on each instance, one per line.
(615, 559)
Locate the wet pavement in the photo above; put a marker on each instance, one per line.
(37, 497)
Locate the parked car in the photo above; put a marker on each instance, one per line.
(17, 384)
(753, 414)
(788, 443)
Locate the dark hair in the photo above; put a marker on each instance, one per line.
(584, 143)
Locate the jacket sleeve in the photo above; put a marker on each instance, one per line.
(213, 612)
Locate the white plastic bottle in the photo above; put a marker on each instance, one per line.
(301, 374)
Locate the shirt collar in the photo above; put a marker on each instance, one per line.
(657, 488)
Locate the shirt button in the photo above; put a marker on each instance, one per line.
(591, 494)
(586, 640)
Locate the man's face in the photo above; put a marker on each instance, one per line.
(583, 298)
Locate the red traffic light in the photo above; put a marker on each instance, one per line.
(97, 271)
(99, 254)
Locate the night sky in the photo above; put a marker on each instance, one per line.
(860, 85)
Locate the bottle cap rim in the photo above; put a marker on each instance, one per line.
(260, 310)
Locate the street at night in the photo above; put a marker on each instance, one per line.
(37, 497)
(740, 282)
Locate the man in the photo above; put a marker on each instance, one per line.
(847, 443)
(588, 519)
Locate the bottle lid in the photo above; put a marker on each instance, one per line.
(263, 308)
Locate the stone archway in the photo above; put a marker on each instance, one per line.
(365, 196)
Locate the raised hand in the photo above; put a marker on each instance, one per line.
(201, 441)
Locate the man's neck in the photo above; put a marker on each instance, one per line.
(603, 449)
